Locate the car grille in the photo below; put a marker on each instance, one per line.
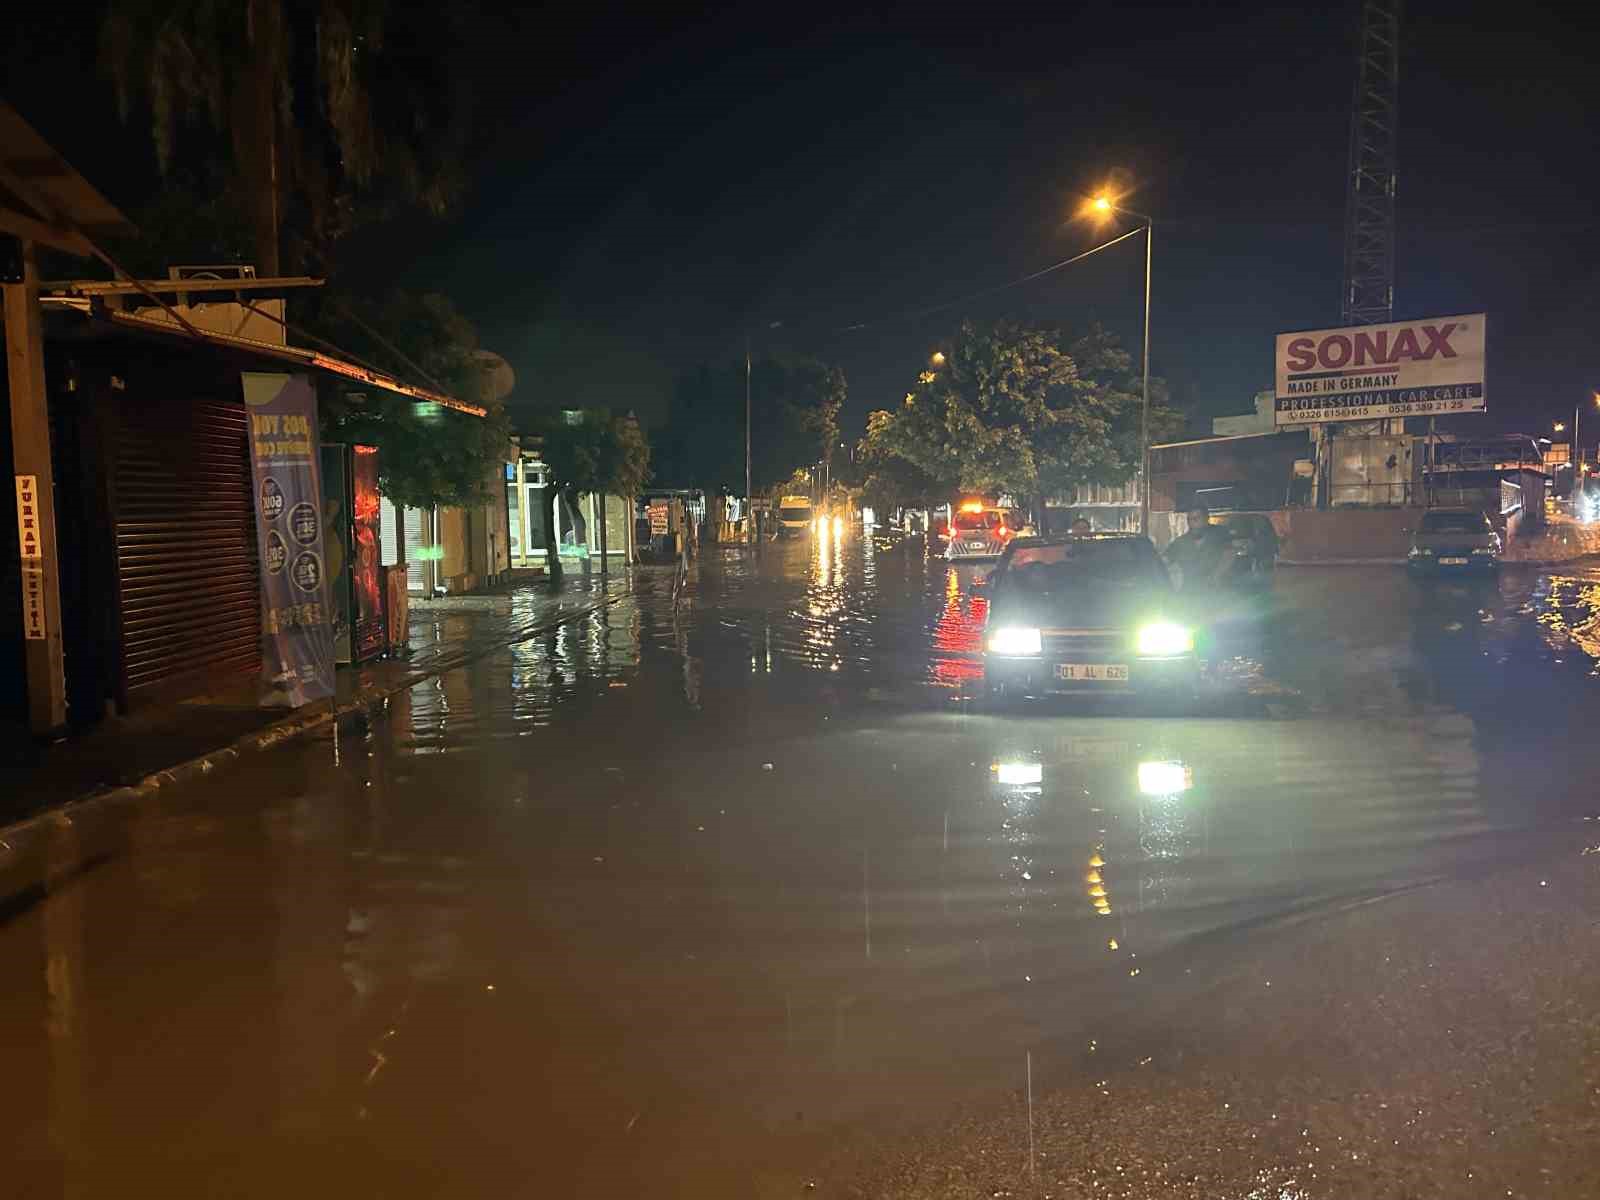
(1084, 645)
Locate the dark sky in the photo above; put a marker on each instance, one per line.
(651, 187)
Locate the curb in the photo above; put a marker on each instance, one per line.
(39, 853)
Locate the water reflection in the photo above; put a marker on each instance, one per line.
(1567, 609)
(956, 659)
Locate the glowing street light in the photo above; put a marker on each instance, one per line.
(1101, 208)
(937, 358)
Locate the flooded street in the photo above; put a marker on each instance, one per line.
(751, 897)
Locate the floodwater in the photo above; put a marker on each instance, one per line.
(748, 897)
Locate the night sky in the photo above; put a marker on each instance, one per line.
(649, 189)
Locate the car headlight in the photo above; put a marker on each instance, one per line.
(1485, 550)
(1164, 639)
(1015, 641)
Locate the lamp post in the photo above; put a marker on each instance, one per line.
(749, 498)
(1104, 206)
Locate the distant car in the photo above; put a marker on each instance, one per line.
(1454, 541)
(1255, 550)
(978, 532)
(1089, 614)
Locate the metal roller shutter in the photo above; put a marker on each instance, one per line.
(186, 546)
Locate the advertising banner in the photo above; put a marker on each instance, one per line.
(296, 636)
(366, 575)
(1420, 368)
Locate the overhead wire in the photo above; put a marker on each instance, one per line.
(915, 314)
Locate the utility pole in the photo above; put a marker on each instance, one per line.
(36, 489)
(749, 495)
(1144, 419)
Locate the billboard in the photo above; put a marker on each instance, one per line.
(1421, 368)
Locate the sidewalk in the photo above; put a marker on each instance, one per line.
(161, 744)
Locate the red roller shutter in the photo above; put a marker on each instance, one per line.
(186, 547)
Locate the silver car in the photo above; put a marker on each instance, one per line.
(1454, 541)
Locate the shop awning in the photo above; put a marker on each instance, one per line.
(294, 355)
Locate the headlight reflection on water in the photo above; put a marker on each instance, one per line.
(1164, 778)
(1019, 774)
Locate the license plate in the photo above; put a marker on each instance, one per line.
(1454, 562)
(976, 545)
(1092, 672)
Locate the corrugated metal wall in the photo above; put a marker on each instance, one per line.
(186, 545)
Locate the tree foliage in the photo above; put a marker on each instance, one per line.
(889, 480)
(1013, 410)
(326, 109)
(429, 456)
(794, 410)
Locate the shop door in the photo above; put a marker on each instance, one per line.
(184, 522)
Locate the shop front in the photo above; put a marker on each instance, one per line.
(577, 525)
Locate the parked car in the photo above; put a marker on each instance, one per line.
(1255, 550)
(1454, 541)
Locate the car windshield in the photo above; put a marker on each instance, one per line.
(1108, 563)
(1455, 522)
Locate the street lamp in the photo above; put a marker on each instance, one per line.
(937, 358)
(1103, 207)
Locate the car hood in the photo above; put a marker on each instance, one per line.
(1084, 608)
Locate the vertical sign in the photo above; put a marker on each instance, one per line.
(296, 639)
(32, 554)
(366, 574)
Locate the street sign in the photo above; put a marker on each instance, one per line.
(28, 520)
(1426, 367)
(31, 552)
(761, 504)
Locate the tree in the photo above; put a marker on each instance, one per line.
(429, 456)
(794, 416)
(888, 479)
(1010, 410)
(586, 450)
(326, 108)
(794, 409)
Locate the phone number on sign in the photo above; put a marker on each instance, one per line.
(1373, 412)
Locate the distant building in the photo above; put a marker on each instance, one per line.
(1259, 421)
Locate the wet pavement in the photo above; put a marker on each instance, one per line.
(750, 898)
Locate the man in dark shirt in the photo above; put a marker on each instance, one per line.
(1200, 552)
